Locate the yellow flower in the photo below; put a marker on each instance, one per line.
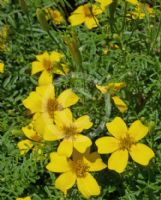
(141, 11)
(55, 16)
(43, 100)
(76, 170)
(124, 142)
(33, 136)
(69, 130)
(113, 88)
(50, 63)
(104, 3)
(85, 14)
(1, 67)
(24, 198)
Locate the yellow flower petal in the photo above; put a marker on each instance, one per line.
(42, 57)
(46, 92)
(63, 118)
(52, 133)
(103, 89)
(33, 102)
(30, 132)
(24, 146)
(94, 162)
(81, 143)
(141, 153)
(56, 56)
(104, 3)
(119, 104)
(88, 186)
(58, 163)
(96, 10)
(77, 17)
(83, 123)
(66, 147)
(134, 2)
(118, 161)
(45, 79)
(65, 181)
(107, 144)
(67, 98)
(137, 130)
(24, 198)
(91, 22)
(36, 67)
(117, 128)
(1, 67)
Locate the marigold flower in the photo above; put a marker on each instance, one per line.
(85, 14)
(76, 170)
(24, 198)
(33, 136)
(124, 142)
(1, 67)
(113, 88)
(43, 100)
(69, 130)
(54, 15)
(50, 63)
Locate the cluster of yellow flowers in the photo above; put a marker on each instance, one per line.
(53, 121)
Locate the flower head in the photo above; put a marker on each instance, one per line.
(69, 130)
(43, 100)
(124, 142)
(49, 63)
(1, 67)
(33, 139)
(112, 88)
(76, 170)
(54, 15)
(85, 14)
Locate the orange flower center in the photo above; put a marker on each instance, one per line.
(70, 131)
(48, 65)
(52, 106)
(126, 143)
(80, 168)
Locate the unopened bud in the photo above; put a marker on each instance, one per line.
(74, 50)
(41, 16)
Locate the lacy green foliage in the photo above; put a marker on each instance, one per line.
(136, 61)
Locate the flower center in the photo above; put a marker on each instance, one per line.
(70, 131)
(88, 11)
(48, 65)
(126, 143)
(52, 106)
(80, 168)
